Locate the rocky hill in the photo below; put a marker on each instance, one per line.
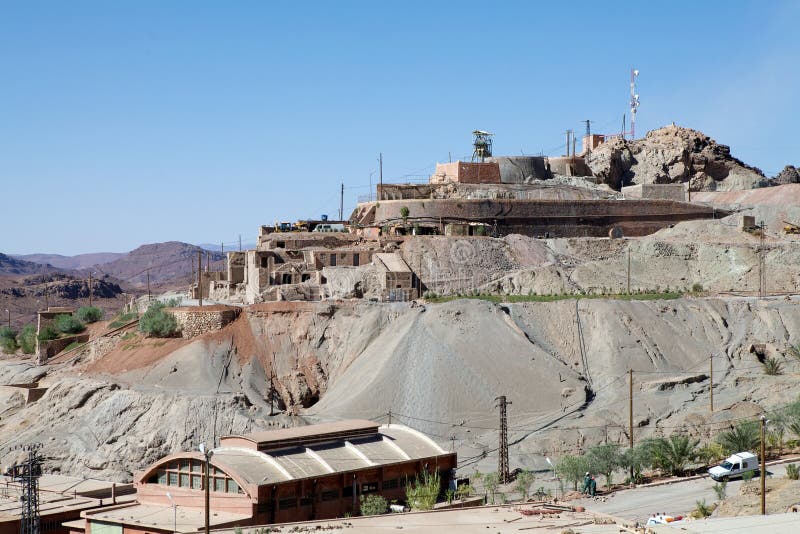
(673, 155)
(10, 265)
(170, 261)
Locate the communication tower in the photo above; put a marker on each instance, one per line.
(481, 146)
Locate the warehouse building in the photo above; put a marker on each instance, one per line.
(295, 474)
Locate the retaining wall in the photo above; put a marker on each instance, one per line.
(199, 320)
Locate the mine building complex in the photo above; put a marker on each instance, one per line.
(294, 474)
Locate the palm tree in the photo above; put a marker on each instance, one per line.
(772, 366)
(673, 454)
(743, 437)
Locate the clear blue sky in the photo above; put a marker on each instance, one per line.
(124, 123)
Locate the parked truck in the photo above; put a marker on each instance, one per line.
(735, 466)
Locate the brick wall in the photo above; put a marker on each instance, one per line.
(196, 321)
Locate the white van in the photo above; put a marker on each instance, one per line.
(735, 466)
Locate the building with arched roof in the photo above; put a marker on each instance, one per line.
(294, 474)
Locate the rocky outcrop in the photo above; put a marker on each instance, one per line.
(789, 175)
(673, 155)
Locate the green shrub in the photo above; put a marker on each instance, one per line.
(422, 494)
(47, 333)
(68, 324)
(156, 322)
(27, 339)
(792, 472)
(721, 490)
(89, 314)
(702, 509)
(8, 341)
(773, 367)
(697, 288)
(673, 454)
(373, 504)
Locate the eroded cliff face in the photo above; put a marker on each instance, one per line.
(438, 367)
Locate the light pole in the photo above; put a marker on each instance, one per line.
(207, 454)
(174, 514)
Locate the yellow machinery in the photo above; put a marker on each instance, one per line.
(791, 228)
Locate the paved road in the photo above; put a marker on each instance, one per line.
(673, 499)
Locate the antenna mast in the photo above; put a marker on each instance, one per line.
(634, 102)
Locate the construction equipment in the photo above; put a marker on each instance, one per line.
(791, 228)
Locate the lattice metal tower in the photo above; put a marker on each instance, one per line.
(482, 145)
(502, 462)
(28, 473)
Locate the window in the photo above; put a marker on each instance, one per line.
(281, 244)
(331, 495)
(287, 503)
(333, 260)
(219, 484)
(355, 259)
(369, 487)
(197, 467)
(173, 479)
(184, 480)
(286, 278)
(305, 277)
(306, 501)
(197, 482)
(390, 484)
(233, 487)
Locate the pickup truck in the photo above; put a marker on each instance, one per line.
(735, 466)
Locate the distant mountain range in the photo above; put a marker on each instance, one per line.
(10, 265)
(81, 261)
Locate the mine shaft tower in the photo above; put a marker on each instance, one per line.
(481, 145)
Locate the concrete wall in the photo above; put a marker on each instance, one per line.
(522, 169)
(200, 320)
(657, 191)
(47, 349)
(236, 261)
(571, 166)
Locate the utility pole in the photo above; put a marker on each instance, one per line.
(341, 202)
(28, 474)
(208, 261)
(207, 486)
(240, 242)
(90, 289)
(568, 132)
(222, 251)
(762, 275)
(629, 269)
(47, 295)
(763, 467)
(149, 296)
(502, 466)
(630, 414)
(380, 162)
(200, 276)
(711, 382)
(9, 318)
(574, 142)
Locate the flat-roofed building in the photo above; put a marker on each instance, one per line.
(295, 474)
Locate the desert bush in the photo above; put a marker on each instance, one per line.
(605, 459)
(721, 490)
(47, 333)
(464, 491)
(68, 324)
(792, 472)
(27, 339)
(8, 340)
(422, 494)
(697, 288)
(373, 504)
(637, 460)
(743, 437)
(702, 509)
(773, 367)
(711, 453)
(89, 314)
(156, 322)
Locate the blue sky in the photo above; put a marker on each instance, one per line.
(124, 123)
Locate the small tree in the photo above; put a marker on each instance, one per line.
(157, 322)
(68, 324)
(373, 504)
(572, 469)
(605, 459)
(743, 437)
(27, 339)
(792, 472)
(89, 314)
(711, 453)
(524, 480)
(721, 490)
(490, 482)
(637, 460)
(673, 454)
